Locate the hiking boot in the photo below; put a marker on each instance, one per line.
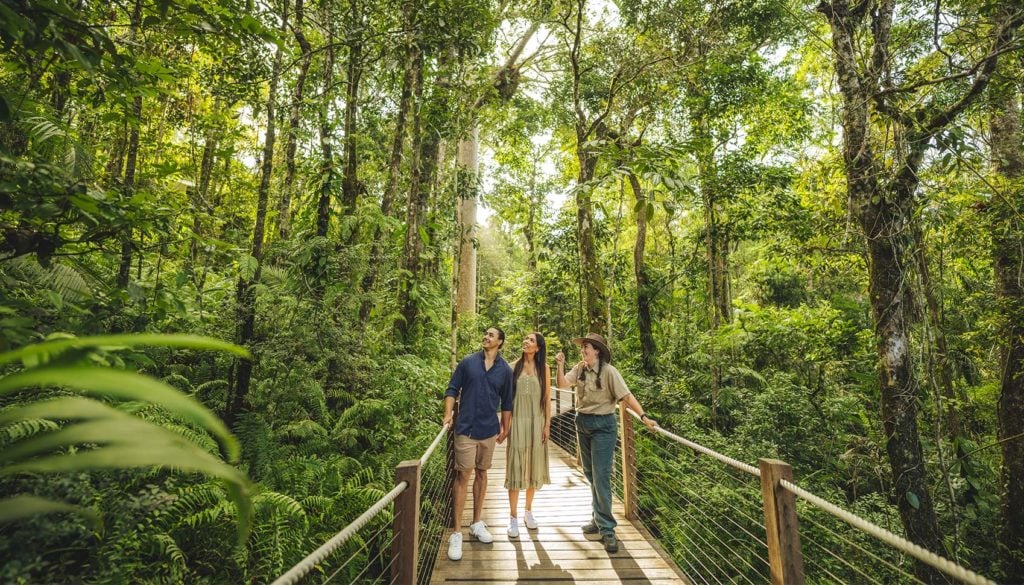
(590, 528)
(611, 544)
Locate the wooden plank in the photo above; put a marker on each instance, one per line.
(551, 545)
(572, 580)
(589, 564)
(531, 555)
(483, 573)
(557, 551)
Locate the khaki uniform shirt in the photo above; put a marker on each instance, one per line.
(590, 399)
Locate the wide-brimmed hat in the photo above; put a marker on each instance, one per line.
(598, 342)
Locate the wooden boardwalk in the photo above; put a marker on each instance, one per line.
(557, 552)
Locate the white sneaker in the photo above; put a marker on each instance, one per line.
(479, 530)
(531, 522)
(455, 546)
(513, 527)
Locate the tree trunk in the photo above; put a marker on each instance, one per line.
(200, 203)
(592, 293)
(132, 155)
(1007, 244)
(415, 208)
(128, 191)
(394, 168)
(467, 182)
(467, 187)
(530, 233)
(323, 207)
(350, 180)
(245, 294)
(884, 214)
(644, 296)
(716, 241)
(943, 368)
(590, 267)
(284, 207)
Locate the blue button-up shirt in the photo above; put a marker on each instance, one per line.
(482, 391)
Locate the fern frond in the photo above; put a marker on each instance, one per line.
(67, 282)
(197, 497)
(318, 504)
(169, 548)
(23, 429)
(303, 429)
(178, 381)
(278, 502)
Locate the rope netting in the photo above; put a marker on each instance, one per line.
(716, 513)
(367, 554)
(708, 517)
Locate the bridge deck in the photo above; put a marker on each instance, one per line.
(557, 552)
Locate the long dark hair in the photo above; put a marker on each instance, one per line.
(540, 363)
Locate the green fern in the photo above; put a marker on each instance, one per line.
(26, 428)
(267, 502)
(170, 550)
(178, 381)
(113, 438)
(301, 430)
(67, 282)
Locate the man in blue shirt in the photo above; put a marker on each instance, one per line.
(485, 381)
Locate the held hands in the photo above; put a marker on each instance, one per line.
(501, 437)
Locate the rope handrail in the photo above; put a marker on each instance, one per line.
(702, 449)
(918, 552)
(433, 445)
(316, 557)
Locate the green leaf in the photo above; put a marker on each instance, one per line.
(135, 455)
(914, 501)
(24, 506)
(247, 267)
(127, 386)
(182, 341)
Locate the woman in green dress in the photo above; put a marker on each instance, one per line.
(527, 452)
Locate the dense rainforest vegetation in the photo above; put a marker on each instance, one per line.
(798, 223)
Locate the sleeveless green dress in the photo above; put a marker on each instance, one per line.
(526, 457)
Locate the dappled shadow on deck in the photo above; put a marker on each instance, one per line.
(557, 552)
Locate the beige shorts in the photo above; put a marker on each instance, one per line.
(473, 453)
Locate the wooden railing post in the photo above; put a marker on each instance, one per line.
(780, 523)
(628, 463)
(406, 525)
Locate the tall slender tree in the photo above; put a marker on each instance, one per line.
(252, 265)
(882, 180)
(1006, 222)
